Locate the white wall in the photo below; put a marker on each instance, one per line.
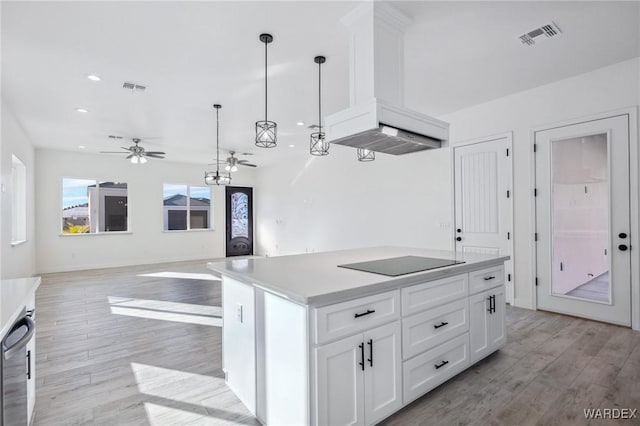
(335, 202)
(16, 261)
(605, 89)
(147, 243)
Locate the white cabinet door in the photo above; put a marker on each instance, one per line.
(497, 329)
(340, 382)
(382, 374)
(479, 328)
(487, 330)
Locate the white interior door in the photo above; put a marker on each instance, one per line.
(583, 220)
(483, 201)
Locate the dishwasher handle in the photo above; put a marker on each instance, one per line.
(8, 352)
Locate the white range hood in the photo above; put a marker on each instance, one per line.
(377, 119)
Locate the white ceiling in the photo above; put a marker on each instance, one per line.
(193, 54)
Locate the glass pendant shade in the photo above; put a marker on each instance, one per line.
(266, 131)
(216, 178)
(143, 160)
(318, 145)
(366, 155)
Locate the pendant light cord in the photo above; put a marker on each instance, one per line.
(320, 97)
(217, 141)
(265, 81)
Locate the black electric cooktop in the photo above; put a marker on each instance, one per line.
(402, 265)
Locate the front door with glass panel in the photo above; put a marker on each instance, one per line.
(582, 220)
(239, 215)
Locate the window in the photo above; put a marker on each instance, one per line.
(186, 207)
(91, 206)
(18, 201)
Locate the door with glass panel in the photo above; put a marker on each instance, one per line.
(583, 220)
(239, 219)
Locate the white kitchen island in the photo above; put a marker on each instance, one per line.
(308, 342)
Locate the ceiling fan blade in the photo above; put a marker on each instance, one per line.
(154, 156)
(155, 152)
(247, 164)
(112, 152)
(129, 156)
(125, 148)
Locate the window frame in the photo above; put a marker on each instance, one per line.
(187, 208)
(18, 201)
(97, 183)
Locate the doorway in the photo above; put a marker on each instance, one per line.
(583, 221)
(483, 201)
(239, 221)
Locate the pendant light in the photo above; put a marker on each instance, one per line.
(266, 131)
(215, 178)
(318, 145)
(366, 155)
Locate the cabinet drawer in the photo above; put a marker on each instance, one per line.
(428, 295)
(432, 368)
(343, 319)
(485, 279)
(430, 328)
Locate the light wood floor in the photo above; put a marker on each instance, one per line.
(597, 289)
(117, 348)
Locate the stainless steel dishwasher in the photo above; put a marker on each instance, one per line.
(15, 371)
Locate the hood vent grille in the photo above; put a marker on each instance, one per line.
(547, 30)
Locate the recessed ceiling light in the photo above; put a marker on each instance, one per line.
(292, 146)
(83, 110)
(94, 77)
(81, 146)
(300, 123)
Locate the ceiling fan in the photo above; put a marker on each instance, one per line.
(232, 162)
(137, 154)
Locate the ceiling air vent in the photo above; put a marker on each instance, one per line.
(133, 87)
(548, 31)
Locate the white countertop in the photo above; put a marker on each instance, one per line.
(315, 279)
(14, 295)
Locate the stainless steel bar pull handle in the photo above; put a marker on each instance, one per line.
(8, 352)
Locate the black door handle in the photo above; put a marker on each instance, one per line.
(622, 247)
(361, 346)
(489, 278)
(490, 305)
(458, 238)
(442, 324)
(369, 311)
(442, 364)
(622, 235)
(370, 343)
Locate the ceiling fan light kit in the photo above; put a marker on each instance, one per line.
(215, 178)
(318, 145)
(135, 153)
(266, 131)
